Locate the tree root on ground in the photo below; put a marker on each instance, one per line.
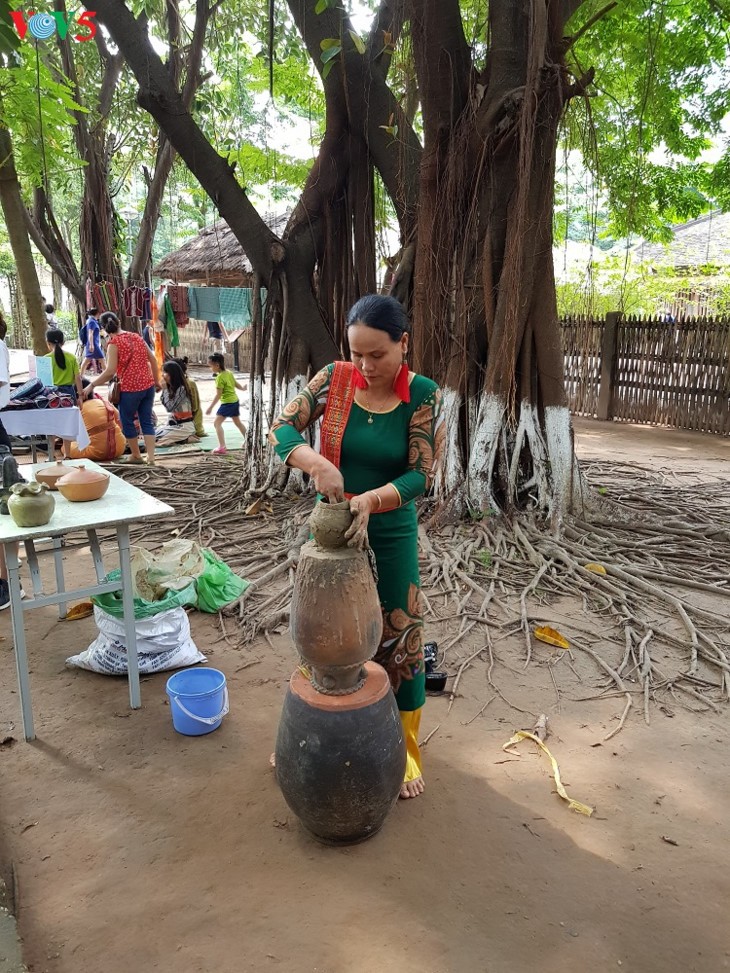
(652, 634)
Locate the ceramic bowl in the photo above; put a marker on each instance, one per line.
(436, 681)
(81, 485)
(50, 473)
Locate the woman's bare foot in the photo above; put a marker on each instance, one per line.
(412, 788)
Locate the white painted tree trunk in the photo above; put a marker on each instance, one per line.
(500, 453)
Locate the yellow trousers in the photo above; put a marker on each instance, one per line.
(411, 722)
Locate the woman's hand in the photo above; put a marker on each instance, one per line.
(360, 507)
(88, 392)
(328, 480)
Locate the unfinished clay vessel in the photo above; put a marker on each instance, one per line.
(30, 504)
(336, 620)
(50, 473)
(328, 523)
(81, 484)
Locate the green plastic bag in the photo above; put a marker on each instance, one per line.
(217, 585)
(111, 601)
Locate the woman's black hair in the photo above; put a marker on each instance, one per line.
(109, 322)
(183, 363)
(218, 359)
(56, 338)
(382, 313)
(49, 309)
(176, 374)
(93, 311)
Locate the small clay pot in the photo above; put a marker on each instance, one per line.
(50, 473)
(328, 523)
(30, 504)
(81, 485)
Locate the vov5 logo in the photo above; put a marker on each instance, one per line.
(42, 25)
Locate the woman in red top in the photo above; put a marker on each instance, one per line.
(139, 375)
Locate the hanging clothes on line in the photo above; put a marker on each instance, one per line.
(204, 303)
(178, 294)
(147, 304)
(170, 323)
(105, 296)
(133, 299)
(235, 303)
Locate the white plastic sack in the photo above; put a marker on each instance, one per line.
(163, 642)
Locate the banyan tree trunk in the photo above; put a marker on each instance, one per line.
(486, 322)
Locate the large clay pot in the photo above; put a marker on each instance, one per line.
(340, 760)
(80, 484)
(336, 620)
(30, 504)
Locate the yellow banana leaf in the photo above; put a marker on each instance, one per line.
(595, 568)
(550, 635)
(82, 610)
(573, 805)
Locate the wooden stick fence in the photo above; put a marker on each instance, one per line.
(649, 370)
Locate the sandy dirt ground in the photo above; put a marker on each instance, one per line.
(131, 847)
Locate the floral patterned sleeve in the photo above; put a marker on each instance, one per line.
(425, 445)
(285, 434)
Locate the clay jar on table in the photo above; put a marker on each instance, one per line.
(30, 504)
(80, 484)
(50, 473)
(336, 620)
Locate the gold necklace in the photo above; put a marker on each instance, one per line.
(369, 411)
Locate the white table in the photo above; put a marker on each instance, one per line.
(122, 505)
(60, 423)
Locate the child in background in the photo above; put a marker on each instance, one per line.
(64, 365)
(229, 408)
(194, 398)
(93, 353)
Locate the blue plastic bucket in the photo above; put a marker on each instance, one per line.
(198, 700)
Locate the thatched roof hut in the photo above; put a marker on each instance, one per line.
(701, 242)
(214, 258)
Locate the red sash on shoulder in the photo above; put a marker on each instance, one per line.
(340, 397)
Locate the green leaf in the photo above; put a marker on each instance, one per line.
(330, 53)
(357, 41)
(321, 6)
(327, 68)
(329, 42)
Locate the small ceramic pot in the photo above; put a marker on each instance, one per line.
(81, 485)
(51, 473)
(30, 504)
(328, 523)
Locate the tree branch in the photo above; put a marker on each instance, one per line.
(387, 25)
(52, 246)
(158, 96)
(574, 38)
(358, 96)
(570, 7)
(443, 63)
